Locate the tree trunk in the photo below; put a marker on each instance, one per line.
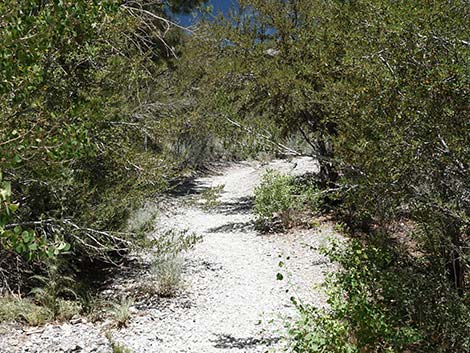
(328, 175)
(455, 269)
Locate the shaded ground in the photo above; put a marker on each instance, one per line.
(231, 302)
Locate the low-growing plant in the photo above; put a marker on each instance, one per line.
(116, 346)
(167, 265)
(15, 308)
(55, 291)
(121, 311)
(275, 194)
(210, 197)
(173, 242)
(381, 300)
(167, 272)
(282, 196)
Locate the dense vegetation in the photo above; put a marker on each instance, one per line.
(379, 92)
(106, 102)
(83, 124)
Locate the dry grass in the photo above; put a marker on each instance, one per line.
(167, 271)
(121, 311)
(14, 308)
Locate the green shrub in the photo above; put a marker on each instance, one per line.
(54, 298)
(283, 196)
(381, 300)
(210, 197)
(121, 311)
(276, 194)
(54, 288)
(78, 149)
(167, 265)
(167, 271)
(13, 308)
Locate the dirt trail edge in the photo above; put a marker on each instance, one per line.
(232, 300)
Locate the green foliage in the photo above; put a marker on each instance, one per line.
(405, 131)
(80, 142)
(260, 77)
(210, 197)
(53, 288)
(47, 305)
(379, 90)
(173, 242)
(22, 241)
(95, 117)
(381, 300)
(121, 311)
(13, 308)
(167, 266)
(283, 196)
(167, 273)
(275, 194)
(116, 346)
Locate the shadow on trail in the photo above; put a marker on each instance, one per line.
(228, 341)
(233, 227)
(187, 187)
(243, 205)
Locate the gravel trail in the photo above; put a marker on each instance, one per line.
(232, 300)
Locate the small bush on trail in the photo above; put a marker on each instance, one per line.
(276, 194)
(281, 198)
(167, 271)
(121, 311)
(116, 346)
(167, 265)
(210, 197)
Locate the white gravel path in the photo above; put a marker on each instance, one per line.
(232, 300)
